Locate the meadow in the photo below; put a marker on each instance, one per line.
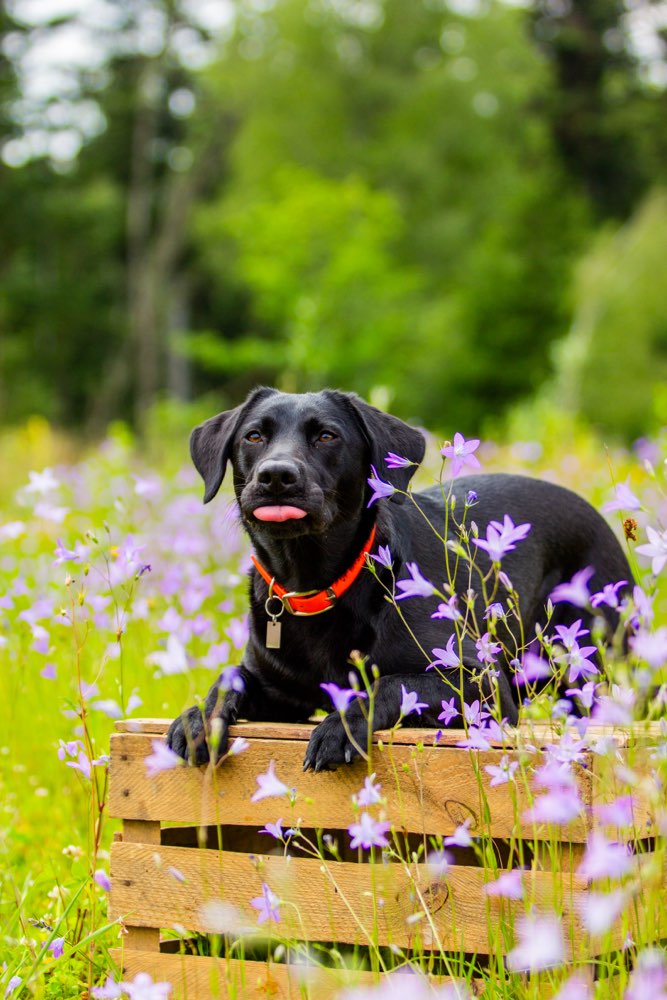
(122, 596)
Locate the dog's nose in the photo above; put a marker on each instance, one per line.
(278, 473)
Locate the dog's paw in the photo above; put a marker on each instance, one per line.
(330, 745)
(187, 736)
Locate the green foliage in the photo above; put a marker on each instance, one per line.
(612, 366)
(387, 196)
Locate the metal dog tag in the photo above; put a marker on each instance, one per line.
(273, 630)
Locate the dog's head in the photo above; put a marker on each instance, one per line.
(301, 462)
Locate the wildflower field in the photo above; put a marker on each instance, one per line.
(122, 596)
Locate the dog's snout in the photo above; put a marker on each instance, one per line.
(278, 474)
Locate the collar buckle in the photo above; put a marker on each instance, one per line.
(331, 596)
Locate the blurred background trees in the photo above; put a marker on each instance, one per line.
(445, 205)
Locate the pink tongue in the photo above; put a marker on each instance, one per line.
(278, 513)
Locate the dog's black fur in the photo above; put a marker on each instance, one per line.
(315, 451)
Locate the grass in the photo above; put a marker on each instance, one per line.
(85, 639)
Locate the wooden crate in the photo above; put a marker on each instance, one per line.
(190, 837)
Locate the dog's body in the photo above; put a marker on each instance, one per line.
(301, 465)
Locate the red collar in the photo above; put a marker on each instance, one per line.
(311, 602)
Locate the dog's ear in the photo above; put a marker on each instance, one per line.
(211, 443)
(385, 433)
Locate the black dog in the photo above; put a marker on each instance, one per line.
(301, 465)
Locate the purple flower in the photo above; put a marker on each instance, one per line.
(269, 785)
(438, 862)
(449, 610)
(415, 587)
(471, 498)
(501, 538)
(274, 829)
(649, 976)
(617, 709)
(461, 453)
(14, 982)
(599, 910)
(503, 772)
(585, 694)
(449, 712)
(540, 944)
(559, 806)
(176, 874)
(239, 744)
(494, 612)
(57, 947)
(604, 858)
(475, 714)
(576, 590)
(568, 634)
(383, 556)
(379, 487)
(368, 833)
(393, 461)
(643, 605)
(369, 794)
(110, 991)
(577, 659)
(171, 661)
(142, 987)
(608, 595)
(42, 482)
(64, 554)
(266, 905)
(48, 672)
(577, 987)
(238, 631)
(410, 702)
(69, 749)
(341, 697)
(656, 548)
(161, 759)
(624, 500)
(651, 647)
(617, 813)
(445, 657)
(102, 880)
(532, 668)
(82, 764)
(231, 680)
(475, 740)
(487, 649)
(461, 836)
(508, 885)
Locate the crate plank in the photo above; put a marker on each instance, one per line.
(199, 978)
(319, 898)
(141, 938)
(537, 732)
(430, 790)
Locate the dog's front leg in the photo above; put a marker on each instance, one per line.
(336, 741)
(201, 733)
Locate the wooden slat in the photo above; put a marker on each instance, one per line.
(535, 732)
(195, 978)
(319, 899)
(140, 938)
(647, 796)
(431, 790)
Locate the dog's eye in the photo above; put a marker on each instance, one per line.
(254, 437)
(326, 436)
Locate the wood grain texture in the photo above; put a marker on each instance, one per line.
(333, 901)
(195, 978)
(141, 938)
(536, 732)
(428, 790)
